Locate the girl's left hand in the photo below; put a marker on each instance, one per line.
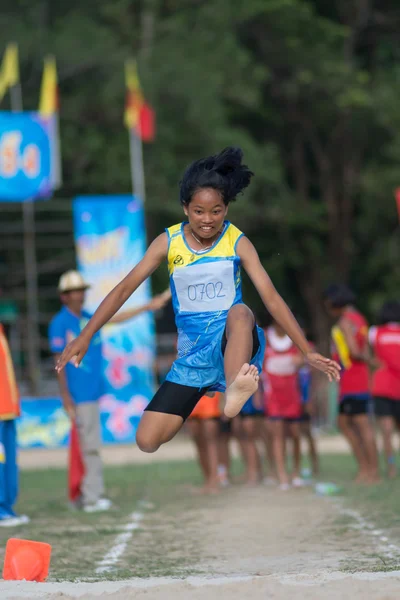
(330, 367)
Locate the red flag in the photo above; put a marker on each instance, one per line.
(147, 125)
(76, 469)
(397, 196)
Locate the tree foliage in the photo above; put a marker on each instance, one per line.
(309, 89)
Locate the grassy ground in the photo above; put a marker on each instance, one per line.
(80, 540)
(378, 503)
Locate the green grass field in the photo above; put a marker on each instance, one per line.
(160, 490)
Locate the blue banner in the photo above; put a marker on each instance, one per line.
(25, 157)
(45, 424)
(110, 241)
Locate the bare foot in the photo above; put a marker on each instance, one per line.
(373, 478)
(206, 489)
(362, 477)
(240, 390)
(252, 480)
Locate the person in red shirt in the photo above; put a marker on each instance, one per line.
(350, 348)
(385, 343)
(283, 400)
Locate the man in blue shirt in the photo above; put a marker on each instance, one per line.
(81, 388)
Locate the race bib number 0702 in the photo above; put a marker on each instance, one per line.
(205, 286)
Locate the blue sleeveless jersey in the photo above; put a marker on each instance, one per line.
(204, 286)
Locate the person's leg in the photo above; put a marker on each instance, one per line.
(368, 440)
(253, 463)
(195, 427)
(241, 377)
(11, 462)
(8, 468)
(238, 435)
(276, 428)
(166, 413)
(88, 424)
(211, 432)
(155, 429)
(345, 425)
(387, 425)
(269, 454)
(306, 431)
(224, 455)
(294, 432)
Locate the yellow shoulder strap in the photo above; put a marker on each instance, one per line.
(341, 346)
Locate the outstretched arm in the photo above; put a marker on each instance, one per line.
(155, 303)
(156, 252)
(280, 311)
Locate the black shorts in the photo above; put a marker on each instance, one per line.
(284, 419)
(177, 399)
(253, 415)
(387, 407)
(305, 418)
(354, 405)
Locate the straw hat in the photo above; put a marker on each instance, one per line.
(72, 280)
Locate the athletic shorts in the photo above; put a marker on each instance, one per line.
(305, 417)
(204, 367)
(354, 405)
(178, 399)
(387, 407)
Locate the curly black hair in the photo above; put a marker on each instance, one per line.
(223, 172)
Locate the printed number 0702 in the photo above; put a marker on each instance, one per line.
(209, 290)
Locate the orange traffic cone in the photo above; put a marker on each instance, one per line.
(26, 560)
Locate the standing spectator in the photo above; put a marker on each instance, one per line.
(82, 388)
(283, 401)
(385, 342)
(9, 411)
(350, 339)
(203, 425)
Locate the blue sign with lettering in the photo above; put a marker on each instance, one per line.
(25, 157)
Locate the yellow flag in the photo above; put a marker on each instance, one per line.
(9, 73)
(134, 99)
(48, 103)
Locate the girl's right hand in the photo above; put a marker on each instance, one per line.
(74, 352)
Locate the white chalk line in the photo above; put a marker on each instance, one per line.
(111, 558)
(30, 590)
(387, 548)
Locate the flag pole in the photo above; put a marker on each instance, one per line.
(132, 122)
(31, 288)
(137, 165)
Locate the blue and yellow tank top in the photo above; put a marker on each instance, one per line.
(204, 286)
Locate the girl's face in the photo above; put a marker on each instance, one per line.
(206, 213)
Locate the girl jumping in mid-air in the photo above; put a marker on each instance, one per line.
(219, 346)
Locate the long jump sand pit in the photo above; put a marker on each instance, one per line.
(256, 543)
